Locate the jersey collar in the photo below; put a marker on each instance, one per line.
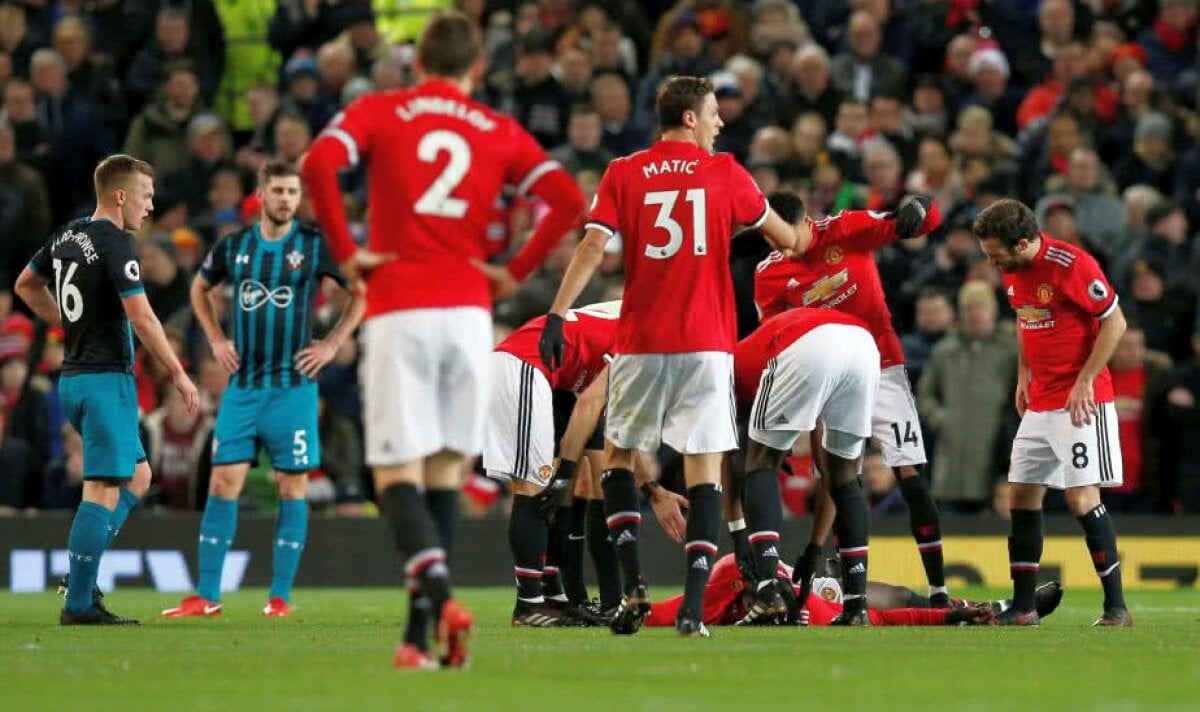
(675, 146)
(274, 244)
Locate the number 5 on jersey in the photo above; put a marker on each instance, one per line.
(665, 200)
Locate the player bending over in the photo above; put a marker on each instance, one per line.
(799, 368)
(840, 273)
(676, 206)
(436, 162)
(275, 268)
(1068, 325)
(729, 596)
(100, 302)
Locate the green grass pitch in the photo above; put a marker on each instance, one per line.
(335, 653)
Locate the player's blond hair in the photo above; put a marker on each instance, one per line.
(115, 171)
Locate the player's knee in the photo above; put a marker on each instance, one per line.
(904, 472)
(293, 485)
(1081, 500)
(225, 484)
(139, 484)
(759, 456)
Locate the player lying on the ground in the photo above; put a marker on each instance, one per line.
(728, 597)
(276, 267)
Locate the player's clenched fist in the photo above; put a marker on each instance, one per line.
(551, 345)
(910, 215)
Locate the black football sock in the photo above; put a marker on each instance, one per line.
(764, 517)
(1025, 556)
(604, 557)
(1101, 537)
(527, 541)
(443, 505)
(926, 529)
(416, 628)
(624, 521)
(740, 536)
(852, 528)
(703, 528)
(571, 566)
(552, 586)
(416, 538)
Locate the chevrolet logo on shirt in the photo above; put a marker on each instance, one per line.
(1033, 315)
(826, 287)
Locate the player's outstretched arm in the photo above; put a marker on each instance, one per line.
(1082, 400)
(316, 355)
(584, 417)
(589, 253)
(34, 290)
(149, 330)
(789, 239)
(222, 346)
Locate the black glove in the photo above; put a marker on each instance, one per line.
(552, 344)
(910, 215)
(549, 499)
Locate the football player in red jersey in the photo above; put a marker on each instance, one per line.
(436, 161)
(1068, 325)
(800, 367)
(841, 274)
(676, 206)
(519, 449)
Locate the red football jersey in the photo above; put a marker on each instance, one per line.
(675, 207)
(589, 333)
(436, 162)
(1060, 298)
(838, 272)
(775, 335)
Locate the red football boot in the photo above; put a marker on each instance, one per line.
(193, 607)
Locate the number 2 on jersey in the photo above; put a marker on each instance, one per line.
(665, 200)
(436, 200)
(70, 299)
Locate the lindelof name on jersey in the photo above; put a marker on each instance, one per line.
(420, 105)
(84, 242)
(671, 165)
(826, 287)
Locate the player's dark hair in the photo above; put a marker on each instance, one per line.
(276, 168)
(679, 95)
(788, 205)
(115, 170)
(1008, 221)
(449, 45)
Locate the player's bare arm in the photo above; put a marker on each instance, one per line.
(668, 506)
(589, 253)
(1082, 400)
(312, 358)
(789, 239)
(222, 346)
(149, 330)
(584, 417)
(34, 290)
(1021, 398)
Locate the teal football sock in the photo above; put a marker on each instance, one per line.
(126, 504)
(291, 530)
(85, 545)
(216, 536)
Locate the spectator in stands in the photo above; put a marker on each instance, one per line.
(536, 294)
(1069, 67)
(951, 263)
(583, 150)
(341, 458)
(166, 284)
(1171, 42)
(964, 396)
(880, 486)
(32, 139)
(990, 73)
(1140, 382)
(885, 176)
(335, 69)
(809, 87)
(91, 76)
(1187, 183)
(1169, 244)
(27, 418)
(614, 53)
(1152, 161)
(1098, 213)
(885, 116)
(1183, 417)
(850, 139)
(78, 139)
(20, 472)
(305, 24)
(1056, 217)
(830, 193)
(24, 210)
(292, 136)
(934, 319)
(362, 38)
(927, 115)
(62, 481)
(1047, 157)
(250, 60)
(45, 382)
(1056, 29)
(975, 137)
(540, 103)
(14, 37)
(172, 41)
(808, 140)
(159, 133)
(610, 98)
(1167, 315)
(957, 83)
(749, 74)
(1136, 101)
(936, 175)
(175, 443)
(574, 69)
(739, 128)
(863, 71)
(208, 146)
(394, 70)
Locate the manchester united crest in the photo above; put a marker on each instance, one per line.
(834, 255)
(294, 259)
(544, 473)
(1045, 293)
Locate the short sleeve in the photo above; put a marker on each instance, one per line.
(352, 128)
(1085, 286)
(121, 263)
(769, 289)
(326, 265)
(41, 262)
(604, 211)
(529, 161)
(749, 205)
(855, 231)
(215, 267)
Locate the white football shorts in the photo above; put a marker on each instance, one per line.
(1050, 451)
(518, 440)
